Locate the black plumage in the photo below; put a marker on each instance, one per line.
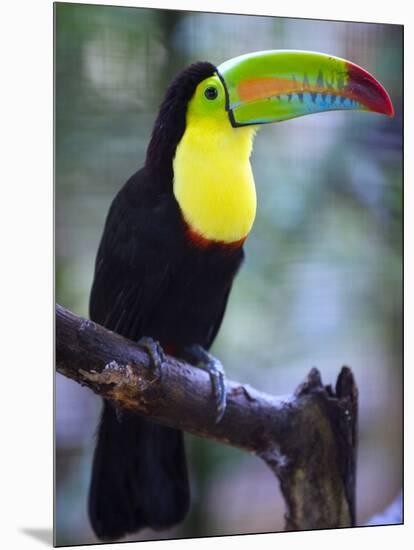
(152, 280)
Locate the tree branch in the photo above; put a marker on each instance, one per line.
(307, 439)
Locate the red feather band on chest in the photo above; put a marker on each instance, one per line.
(201, 242)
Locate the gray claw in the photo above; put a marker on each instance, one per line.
(119, 414)
(219, 390)
(210, 364)
(154, 350)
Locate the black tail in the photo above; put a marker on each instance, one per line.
(139, 476)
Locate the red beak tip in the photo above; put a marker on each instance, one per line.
(390, 112)
(372, 94)
(387, 109)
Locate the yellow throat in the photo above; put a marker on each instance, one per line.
(213, 180)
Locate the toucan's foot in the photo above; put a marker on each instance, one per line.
(155, 351)
(204, 360)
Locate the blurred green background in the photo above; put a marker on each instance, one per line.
(322, 284)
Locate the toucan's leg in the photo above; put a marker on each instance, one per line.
(204, 360)
(154, 350)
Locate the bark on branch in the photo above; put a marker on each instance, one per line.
(308, 439)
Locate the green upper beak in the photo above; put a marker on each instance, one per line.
(276, 85)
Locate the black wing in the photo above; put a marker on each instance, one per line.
(132, 269)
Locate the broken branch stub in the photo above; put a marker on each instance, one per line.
(315, 458)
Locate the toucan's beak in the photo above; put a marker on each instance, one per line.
(276, 85)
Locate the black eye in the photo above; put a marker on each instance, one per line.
(211, 92)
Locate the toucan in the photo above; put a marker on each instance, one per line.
(173, 243)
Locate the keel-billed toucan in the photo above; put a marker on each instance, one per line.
(173, 243)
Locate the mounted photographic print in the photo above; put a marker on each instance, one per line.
(228, 274)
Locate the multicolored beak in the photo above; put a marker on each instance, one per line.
(276, 85)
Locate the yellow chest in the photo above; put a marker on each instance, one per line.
(213, 180)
